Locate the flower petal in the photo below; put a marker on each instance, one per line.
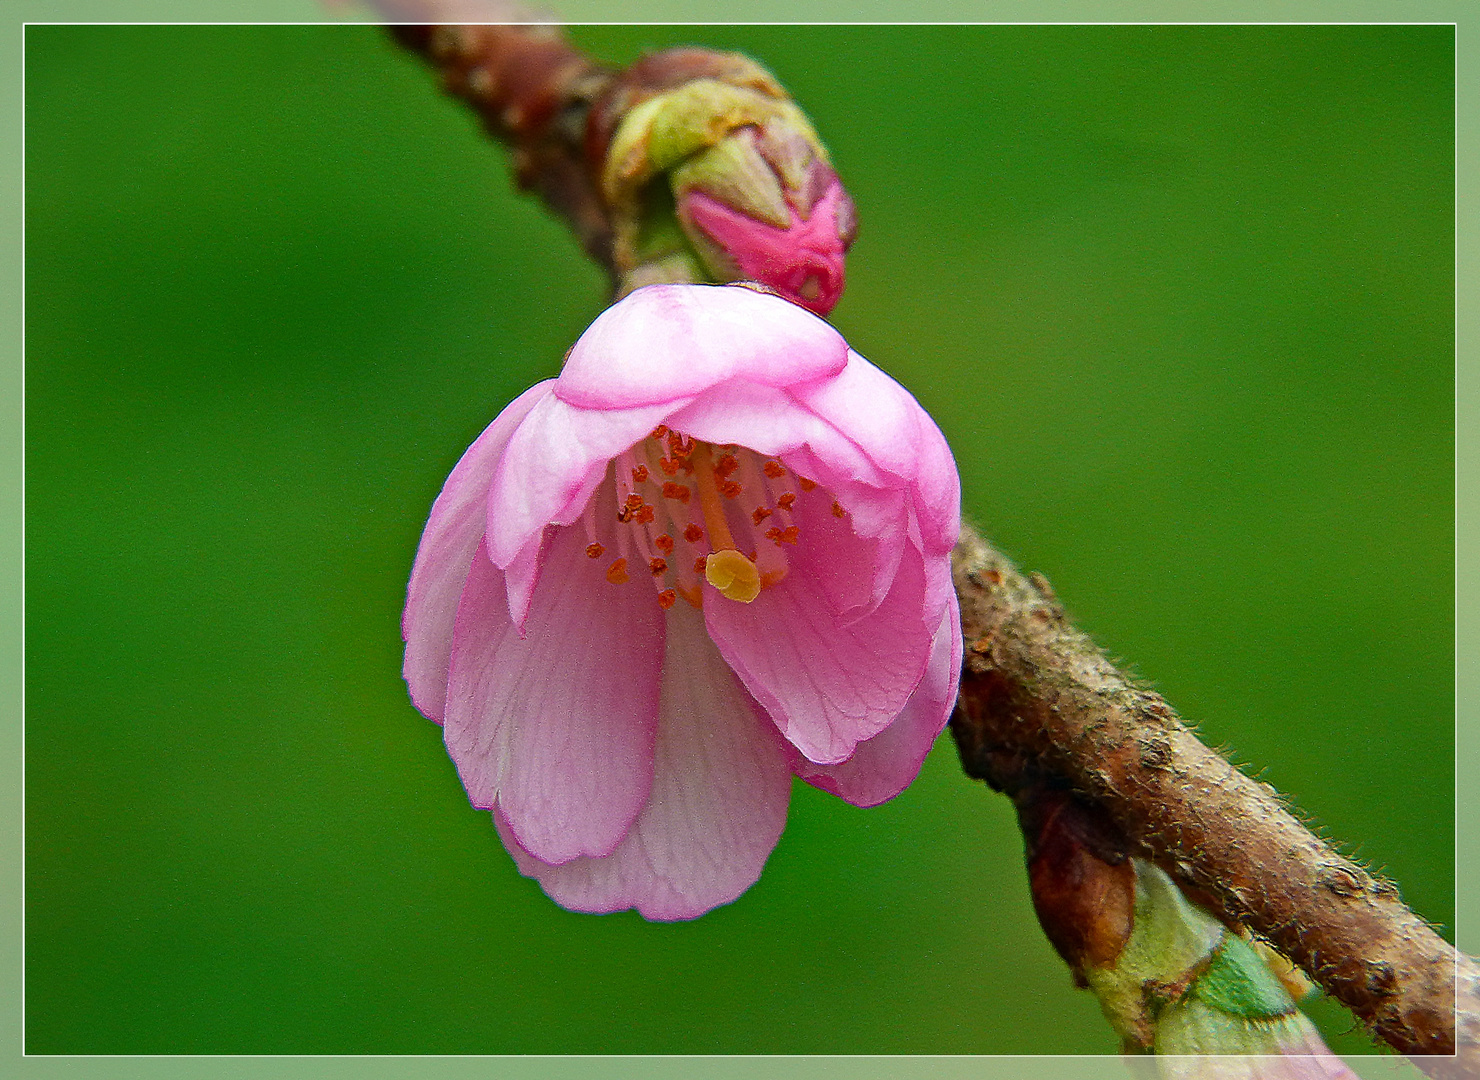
(446, 552)
(883, 766)
(772, 422)
(558, 726)
(874, 411)
(854, 571)
(553, 463)
(828, 682)
(666, 342)
(718, 802)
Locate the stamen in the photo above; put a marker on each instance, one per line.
(616, 573)
(659, 432)
(838, 510)
(775, 470)
(760, 514)
(676, 491)
(786, 500)
(658, 566)
(787, 535)
(669, 466)
(664, 543)
(593, 551)
(730, 488)
(726, 464)
(639, 474)
(692, 533)
(666, 599)
(807, 485)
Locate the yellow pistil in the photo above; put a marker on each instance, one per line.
(735, 576)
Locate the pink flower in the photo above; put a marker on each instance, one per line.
(712, 554)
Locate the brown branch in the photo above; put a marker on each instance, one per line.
(1039, 699)
(534, 91)
(1039, 703)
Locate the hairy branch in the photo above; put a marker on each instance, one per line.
(534, 92)
(1040, 705)
(1039, 699)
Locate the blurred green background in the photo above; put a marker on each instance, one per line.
(1181, 299)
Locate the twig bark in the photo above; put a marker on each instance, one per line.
(534, 92)
(1039, 702)
(1039, 699)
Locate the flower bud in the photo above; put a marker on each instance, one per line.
(1205, 1000)
(721, 177)
(1173, 981)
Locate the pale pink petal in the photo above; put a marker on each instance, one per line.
(718, 802)
(666, 342)
(772, 422)
(854, 571)
(442, 561)
(553, 463)
(874, 411)
(826, 681)
(558, 725)
(883, 766)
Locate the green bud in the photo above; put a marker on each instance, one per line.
(730, 159)
(1203, 999)
(1170, 939)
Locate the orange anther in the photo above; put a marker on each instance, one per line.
(775, 469)
(634, 501)
(807, 485)
(643, 515)
(664, 544)
(838, 510)
(624, 515)
(616, 573)
(593, 551)
(760, 513)
(666, 599)
(730, 488)
(639, 474)
(668, 465)
(786, 500)
(726, 464)
(787, 535)
(699, 564)
(658, 566)
(659, 432)
(693, 534)
(675, 491)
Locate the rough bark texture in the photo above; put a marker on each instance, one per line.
(1039, 699)
(1040, 705)
(534, 91)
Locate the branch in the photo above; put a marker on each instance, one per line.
(1039, 699)
(533, 91)
(1041, 709)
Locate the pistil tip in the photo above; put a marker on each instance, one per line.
(735, 576)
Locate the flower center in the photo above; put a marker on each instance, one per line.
(690, 512)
